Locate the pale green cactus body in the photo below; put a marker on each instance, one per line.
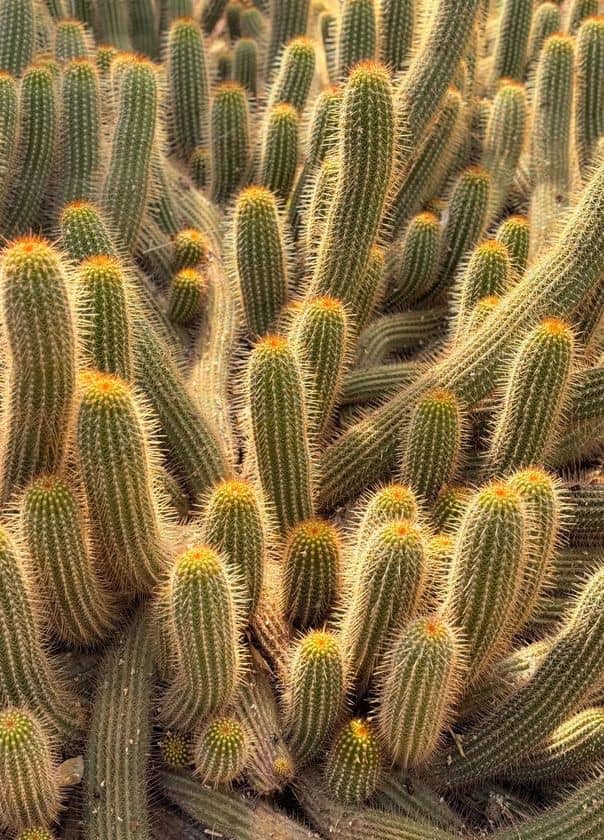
(289, 18)
(17, 24)
(279, 152)
(80, 131)
(221, 750)
(311, 574)
(504, 142)
(514, 233)
(8, 130)
(245, 65)
(71, 41)
(396, 26)
(230, 141)
(117, 471)
(261, 259)
(37, 140)
(211, 14)
(118, 745)
(414, 261)
(187, 291)
(487, 273)
(589, 103)
(578, 11)
(512, 39)
(422, 675)
(486, 574)
(546, 21)
(126, 188)
(294, 75)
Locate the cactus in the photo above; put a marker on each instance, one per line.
(561, 681)
(203, 619)
(117, 471)
(358, 34)
(533, 398)
(504, 141)
(422, 675)
(352, 767)
(301, 418)
(234, 525)
(229, 130)
(589, 91)
(546, 21)
(414, 262)
(28, 677)
(279, 154)
(289, 18)
(261, 258)
(39, 330)
(551, 135)
(220, 751)
(311, 573)
(295, 74)
(281, 449)
(17, 24)
(512, 39)
(486, 572)
(119, 738)
(245, 65)
(432, 443)
(366, 162)
(314, 692)
(55, 533)
(30, 790)
(397, 21)
(320, 337)
(37, 130)
(126, 187)
(388, 577)
(189, 87)
(487, 273)
(513, 232)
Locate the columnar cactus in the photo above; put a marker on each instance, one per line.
(203, 617)
(40, 344)
(301, 417)
(30, 791)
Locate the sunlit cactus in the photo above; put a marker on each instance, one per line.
(312, 571)
(302, 419)
(37, 316)
(124, 511)
(387, 580)
(316, 684)
(353, 765)
(422, 676)
(30, 791)
(220, 751)
(261, 258)
(281, 449)
(486, 573)
(203, 618)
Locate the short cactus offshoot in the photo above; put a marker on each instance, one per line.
(301, 419)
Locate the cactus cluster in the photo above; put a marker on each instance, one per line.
(301, 419)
